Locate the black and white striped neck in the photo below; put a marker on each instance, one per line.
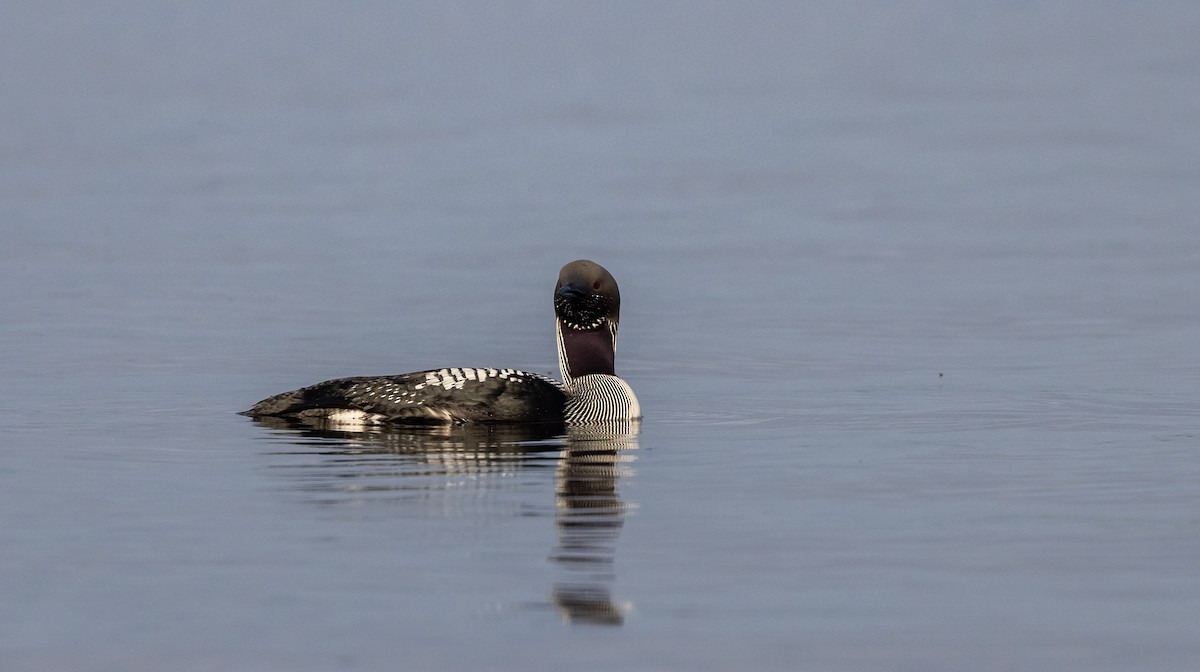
(587, 307)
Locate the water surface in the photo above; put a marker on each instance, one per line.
(909, 303)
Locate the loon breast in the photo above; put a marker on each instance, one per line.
(601, 398)
(587, 311)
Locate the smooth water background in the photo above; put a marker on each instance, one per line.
(910, 302)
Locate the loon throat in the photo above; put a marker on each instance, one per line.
(584, 352)
(587, 309)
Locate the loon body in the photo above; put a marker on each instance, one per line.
(587, 307)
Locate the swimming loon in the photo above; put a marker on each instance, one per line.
(587, 307)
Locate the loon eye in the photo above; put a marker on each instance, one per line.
(596, 285)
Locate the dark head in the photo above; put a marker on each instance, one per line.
(587, 305)
(586, 296)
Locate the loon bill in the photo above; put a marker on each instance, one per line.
(587, 307)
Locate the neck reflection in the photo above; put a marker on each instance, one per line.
(589, 517)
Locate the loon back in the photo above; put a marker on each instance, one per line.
(587, 311)
(440, 396)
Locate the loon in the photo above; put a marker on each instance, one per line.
(587, 307)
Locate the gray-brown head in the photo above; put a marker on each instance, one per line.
(586, 296)
(587, 307)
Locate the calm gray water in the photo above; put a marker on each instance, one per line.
(910, 302)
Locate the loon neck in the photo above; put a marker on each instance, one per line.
(581, 353)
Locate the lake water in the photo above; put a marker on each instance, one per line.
(910, 302)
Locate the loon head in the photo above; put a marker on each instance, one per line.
(587, 309)
(586, 296)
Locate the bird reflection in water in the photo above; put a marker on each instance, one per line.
(589, 518)
(388, 464)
